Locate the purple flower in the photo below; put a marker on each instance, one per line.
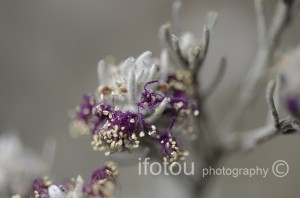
(40, 186)
(119, 131)
(100, 185)
(125, 114)
(292, 104)
(170, 148)
(149, 99)
(98, 179)
(85, 120)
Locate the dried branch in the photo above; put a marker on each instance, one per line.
(211, 21)
(249, 140)
(250, 87)
(260, 20)
(271, 104)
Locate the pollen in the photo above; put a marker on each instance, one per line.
(142, 134)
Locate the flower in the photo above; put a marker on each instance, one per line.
(170, 148)
(19, 165)
(101, 184)
(86, 121)
(137, 101)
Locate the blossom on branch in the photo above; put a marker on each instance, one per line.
(138, 101)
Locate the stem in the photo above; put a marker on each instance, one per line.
(262, 61)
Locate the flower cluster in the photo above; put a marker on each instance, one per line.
(19, 165)
(101, 184)
(137, 101)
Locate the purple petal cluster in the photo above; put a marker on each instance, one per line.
(116, 130)
(120, 130)
(99, 185)
(85, 121)
(94, 186)
(40, 187)
(181, 102)
(293, 105)
(149, 99)
(170, 148)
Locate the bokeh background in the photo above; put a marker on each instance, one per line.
(48, 56)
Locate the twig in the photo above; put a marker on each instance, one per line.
(261, 63)
(211, 21)
(260, 20)
(249, 140)
(271, 104)
(276, 96)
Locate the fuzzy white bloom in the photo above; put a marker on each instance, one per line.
(125, 82)
(101, 184)
(186, 51)
(19, 165)
(55, 192)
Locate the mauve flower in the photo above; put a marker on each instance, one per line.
(137, 101)
(101, 184)
(292, 103)
(19, 165)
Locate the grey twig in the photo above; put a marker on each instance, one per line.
(262, 61)
(211, 21)
(260, 20)
(270, 101)
(249, 140)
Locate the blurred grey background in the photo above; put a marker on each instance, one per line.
(48, 55)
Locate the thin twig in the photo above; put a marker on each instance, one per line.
(249, 140)
(212, 19)
(260, 20)
(269, 96)
(250, 87)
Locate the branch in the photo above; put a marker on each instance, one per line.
(246, 141)
(271, 104)
(260, 20)
(262, 61)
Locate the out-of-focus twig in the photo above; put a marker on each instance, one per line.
(260, 20)
(262, 61)
(269, 96)
(249, 140)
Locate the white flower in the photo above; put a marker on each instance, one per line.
(125, 82)
(20, 165)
